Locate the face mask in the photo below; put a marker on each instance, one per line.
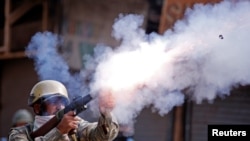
(40, 120)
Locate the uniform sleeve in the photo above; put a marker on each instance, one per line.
(106, 129)
(17, 134)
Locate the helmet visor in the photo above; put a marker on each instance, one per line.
(55, 98)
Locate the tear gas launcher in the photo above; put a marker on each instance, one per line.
(78, 105)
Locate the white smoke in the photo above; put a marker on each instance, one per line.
(43, 49)
(204, 56)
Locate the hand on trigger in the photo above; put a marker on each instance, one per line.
(69, 122)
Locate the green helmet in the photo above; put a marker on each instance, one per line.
(22, 116)
(47, 89)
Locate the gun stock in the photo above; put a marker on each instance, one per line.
(78, 105)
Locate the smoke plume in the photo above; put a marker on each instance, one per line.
(202, 57)
(49, 64)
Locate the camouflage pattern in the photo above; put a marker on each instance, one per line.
(106, 129)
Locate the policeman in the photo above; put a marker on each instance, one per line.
(47, 97)
(21, 117)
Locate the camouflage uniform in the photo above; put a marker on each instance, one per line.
(106, 129)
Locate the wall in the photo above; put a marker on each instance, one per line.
(174, 9)
(230, 110)
(17, 78)
(86, 23)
